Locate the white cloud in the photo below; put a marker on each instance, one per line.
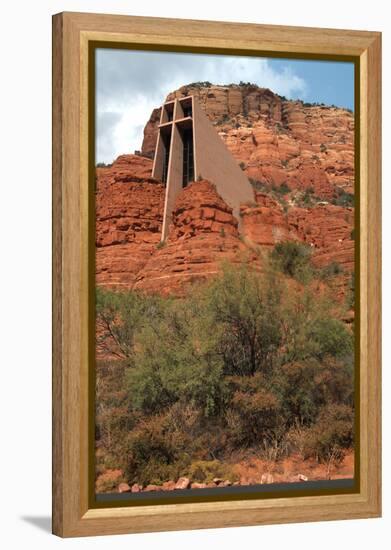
(130, 84)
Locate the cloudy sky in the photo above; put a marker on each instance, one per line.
(129, 84)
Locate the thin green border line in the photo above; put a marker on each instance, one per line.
(243, 495)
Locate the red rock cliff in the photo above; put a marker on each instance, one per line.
(129, 213)
(278, 141)
(203, 235)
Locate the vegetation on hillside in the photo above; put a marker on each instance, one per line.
(248, 362)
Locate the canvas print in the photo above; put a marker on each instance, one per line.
(225, 261)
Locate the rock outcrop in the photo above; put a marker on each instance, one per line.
(202, 236)
(278, 141)
(265, 223)
(129, 213)
(308, 148)
(150, 133)
(329, 229)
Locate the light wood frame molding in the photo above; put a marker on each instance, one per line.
(72, 33)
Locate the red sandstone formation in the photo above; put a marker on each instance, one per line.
(129, 211)
(278, 141)
(326, 228)
(203, 235)
(264, 223)
(150, 133)
(203, 232)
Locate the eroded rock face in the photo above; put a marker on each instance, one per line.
(265, 223)
(278, 141)
(202, 236)
(150, 134)
(129, 213)
(200, 209)
(329, 229)
(326, 228)
(182, 483)
(306, 147)
(203, 233)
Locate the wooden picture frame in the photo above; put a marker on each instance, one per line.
(72, 284)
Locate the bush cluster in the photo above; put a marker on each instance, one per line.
(343, 198)
(245, 362)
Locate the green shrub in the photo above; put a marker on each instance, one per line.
(121, 316)
(246, 384)
(308, 385)
(343, 198)
(297, 387)
(233, 365)
(293, 259)
(156, 454)
(245, 309)
(331, 337)
(178, 358)
(308, 198)
(334, 379)
(204, 471)
(282, 189)
(350, 298)
(261, 186)
(331, 270)
(255, 417)
(200, 84)
(328, 439)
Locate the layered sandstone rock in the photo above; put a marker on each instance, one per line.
(203, 235)
(278, 141)
(129, 213)
(150, 133)
(329, 229)
(265, 223)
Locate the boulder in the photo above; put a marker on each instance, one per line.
(218, 480)
(196, 485)
(152, 487)
(266, 479)
(182, 483)
(225, 483)
(168, 485)
(124, 488)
